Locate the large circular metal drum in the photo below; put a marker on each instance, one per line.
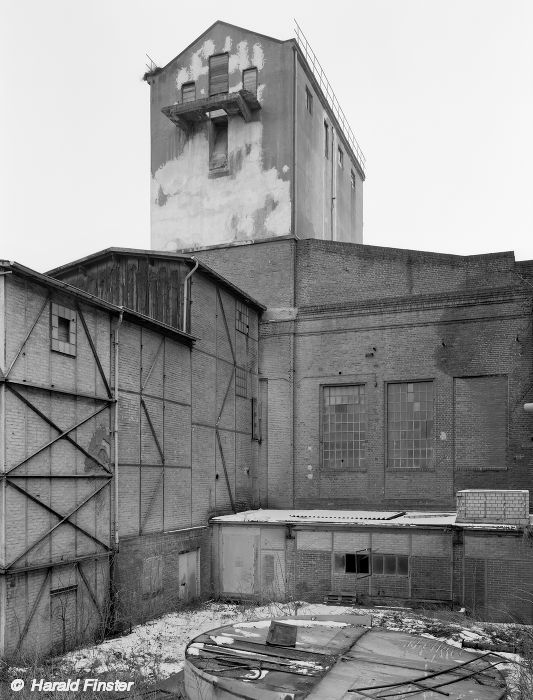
(329, 657)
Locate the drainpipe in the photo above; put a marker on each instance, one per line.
(186, 293)
(116, 422)
(333, 183)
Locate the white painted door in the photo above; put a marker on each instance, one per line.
(189, 575)
(239, 547)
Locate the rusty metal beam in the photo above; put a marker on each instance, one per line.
(217, 433)
(63, 519)
(225, 396)
(21, 348)
(63, 435)
(226, 326)
(161, 453)
(32, 611)
(94, 351)
(89, 589)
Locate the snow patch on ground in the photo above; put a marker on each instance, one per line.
(155, 650)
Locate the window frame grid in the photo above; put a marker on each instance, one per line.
(241, 382)
(340, 449)
(393, 460)
(242, 317)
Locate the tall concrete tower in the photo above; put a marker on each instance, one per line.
(249, 142)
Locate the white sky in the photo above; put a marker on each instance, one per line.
(438, 92)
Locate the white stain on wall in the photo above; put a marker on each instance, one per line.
(242, 58)
(190, 209)
(227, 45)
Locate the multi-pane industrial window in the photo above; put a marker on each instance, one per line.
(249, 80)
(309, 100)
(343, 426)
(241, 317)
(63, 329)
(352, 179)
(188, 92)
(368, 563)
(241, 382)
(390, 564)
(410, 425)
(340, 157)
(218, 74)
(326, 139)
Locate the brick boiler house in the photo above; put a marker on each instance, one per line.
(260, 406)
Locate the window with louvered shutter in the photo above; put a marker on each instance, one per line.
(249, 80)
(188, 92)
(218, 74)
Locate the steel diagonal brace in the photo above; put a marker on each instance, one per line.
(152, 429)
(147, 379)
(63, 434)
(33, 610)
(94, 351)
(226, 326)
(152, 501)
(62, 519)
(217, 433)
(21, 348)
(89, 589)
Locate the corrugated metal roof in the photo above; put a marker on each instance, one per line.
(362, 518)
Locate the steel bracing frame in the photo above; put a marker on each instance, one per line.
(14, 474)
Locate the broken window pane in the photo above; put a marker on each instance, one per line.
(410, 425)
(344, 426)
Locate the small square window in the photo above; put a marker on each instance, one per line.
(63, 329)
(340, 153)
(355, 563)
(309, 100)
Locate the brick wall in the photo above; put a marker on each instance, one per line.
(313, 575)
(135, 603)
(492, 506)
(374, 315)
(480, 422)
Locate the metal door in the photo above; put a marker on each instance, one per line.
(189, 575)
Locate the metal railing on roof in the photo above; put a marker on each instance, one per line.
(326, 88)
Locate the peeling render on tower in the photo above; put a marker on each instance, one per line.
(246, 146)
